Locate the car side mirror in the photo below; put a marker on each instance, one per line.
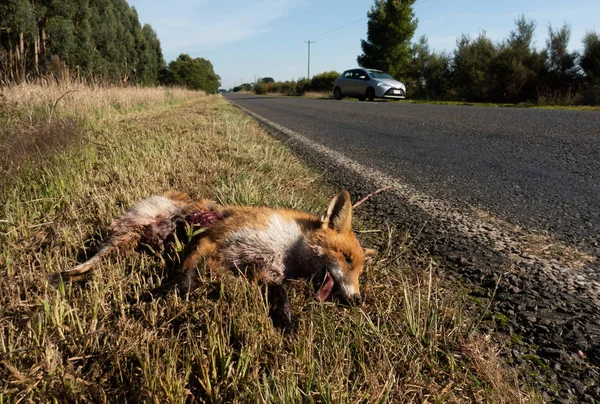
(362, 78)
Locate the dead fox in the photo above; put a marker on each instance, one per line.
(269, 245)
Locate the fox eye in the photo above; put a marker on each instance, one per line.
(348, 259)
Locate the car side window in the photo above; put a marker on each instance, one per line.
(362, 75)
(354, 74)
(348, 75)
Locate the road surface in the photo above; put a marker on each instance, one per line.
(483, 189)
(532, 167)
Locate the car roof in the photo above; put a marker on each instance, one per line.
(363, 68)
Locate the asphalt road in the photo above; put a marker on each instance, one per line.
(533, 169)
(536, 168)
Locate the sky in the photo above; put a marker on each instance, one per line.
(266, 38)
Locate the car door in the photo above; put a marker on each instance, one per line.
(346, 82)
(361, 82)
(353, 83)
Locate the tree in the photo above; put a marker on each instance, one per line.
(103, 22)
(152, 56)
(61, 38)
(590, 64)
(590, 57)
(267, 80)
(421, 56)
(429, 72)
(471, 65)
(516, 65)
(391, 26)
(17, 28)
(84, 48)
(437, 76)
(561, 65)
(91, 38)
(195, 74)
(243, 87)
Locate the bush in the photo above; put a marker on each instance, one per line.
(259, 88)
(281, 87)
(320, 83)
(324, 82)
(302, 86)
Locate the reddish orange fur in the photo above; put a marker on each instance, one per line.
(270, 245)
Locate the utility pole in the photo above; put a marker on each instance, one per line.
(309, 42)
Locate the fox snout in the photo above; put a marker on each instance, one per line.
(355, 300)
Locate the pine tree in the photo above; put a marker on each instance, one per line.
(590, 64)
(516, 65)
(562, 72)
(391, 26)
(471, 64)
(590, 57)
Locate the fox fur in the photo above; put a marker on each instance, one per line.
(269, 245)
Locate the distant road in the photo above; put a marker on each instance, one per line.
(532, 167)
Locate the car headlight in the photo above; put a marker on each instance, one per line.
(382, 85)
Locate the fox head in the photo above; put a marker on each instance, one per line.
(340, 253)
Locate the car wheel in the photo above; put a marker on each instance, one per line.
(337, 93)
(370, 93)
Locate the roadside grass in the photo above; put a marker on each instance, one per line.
(308, 94)
(317, 94)
(37, 120)
(98, 341)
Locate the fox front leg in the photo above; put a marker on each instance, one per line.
(279, 306)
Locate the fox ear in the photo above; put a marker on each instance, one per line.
(339, 213)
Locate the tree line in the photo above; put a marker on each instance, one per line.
(322, 82)
(509, 71)
(101, 40)
(477, 70)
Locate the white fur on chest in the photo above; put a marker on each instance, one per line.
(265, 248)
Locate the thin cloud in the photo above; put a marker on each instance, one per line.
(186, 26)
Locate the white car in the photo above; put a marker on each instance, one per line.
(368, 84)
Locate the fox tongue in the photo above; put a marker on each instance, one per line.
(326, 288)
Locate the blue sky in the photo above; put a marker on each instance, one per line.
(266, 37)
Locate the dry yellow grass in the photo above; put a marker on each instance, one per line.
(317, 94)
(30, 103)
(97, 341)
(308, 94)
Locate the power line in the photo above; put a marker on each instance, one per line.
(419, 2)
(339, 28)
(356, 22)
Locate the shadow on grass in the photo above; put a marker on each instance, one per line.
(27, 145)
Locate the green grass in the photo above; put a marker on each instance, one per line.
(98, 341)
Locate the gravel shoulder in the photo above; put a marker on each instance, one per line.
(544, 271)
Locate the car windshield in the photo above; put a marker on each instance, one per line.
(380, 75)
